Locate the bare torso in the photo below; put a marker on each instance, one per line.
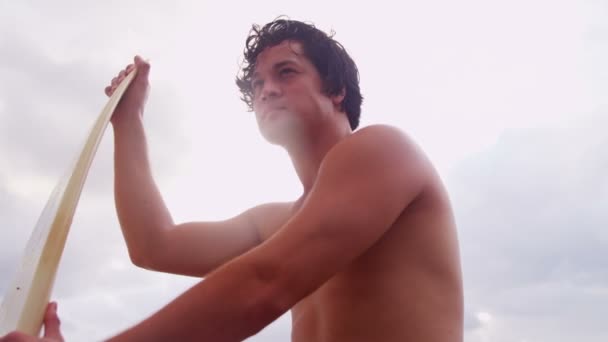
(407, 287)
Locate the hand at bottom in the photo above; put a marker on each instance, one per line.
(51, 329)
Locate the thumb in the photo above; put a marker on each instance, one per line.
(143, 66)
(52, 323)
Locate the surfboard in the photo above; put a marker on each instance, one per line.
(26, 299)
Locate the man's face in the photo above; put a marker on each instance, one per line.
(287, 90)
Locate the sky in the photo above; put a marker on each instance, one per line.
(508, 99)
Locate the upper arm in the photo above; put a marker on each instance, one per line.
(362, 187)
(196, 248)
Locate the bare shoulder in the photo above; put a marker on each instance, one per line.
(381, 132)
(383, 148)
(394, 143)
(381, 139)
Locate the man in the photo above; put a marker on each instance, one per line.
(368, 252)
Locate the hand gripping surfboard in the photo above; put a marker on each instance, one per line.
(25, 300)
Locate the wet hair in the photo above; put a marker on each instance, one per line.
(337, 69)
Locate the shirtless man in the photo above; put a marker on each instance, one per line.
(369, 252)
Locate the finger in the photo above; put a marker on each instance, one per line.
(121, 77)
(143, 67)
(52, 323)
(130, 68)
(114, 81)
(17, 336)
(108, 90)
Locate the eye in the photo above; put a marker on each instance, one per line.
(287, 71)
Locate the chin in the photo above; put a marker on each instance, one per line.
(279, 131)
(275, 135)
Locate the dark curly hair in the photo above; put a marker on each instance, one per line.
(336, 68)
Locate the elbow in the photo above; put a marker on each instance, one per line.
(142, 258)
(144, 250)
(139, 259)
(264, 296)
(268, 307)
(275, 297)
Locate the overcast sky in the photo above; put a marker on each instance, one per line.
(509, 99)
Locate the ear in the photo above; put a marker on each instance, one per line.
(337, 99)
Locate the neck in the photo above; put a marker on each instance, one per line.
(307, 154)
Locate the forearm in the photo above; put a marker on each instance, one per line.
(142, 214)
(230, 305)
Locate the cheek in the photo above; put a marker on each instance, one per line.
(319, 103)
(256, 108)
(305, 97)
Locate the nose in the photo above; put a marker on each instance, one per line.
(270, 90)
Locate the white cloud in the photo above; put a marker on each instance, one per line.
(531, 216)
(484, 317)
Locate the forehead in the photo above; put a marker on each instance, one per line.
(288, 50)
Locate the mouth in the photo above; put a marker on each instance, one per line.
(272, 110)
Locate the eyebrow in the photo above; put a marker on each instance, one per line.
(284, 63)
(276, 66)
